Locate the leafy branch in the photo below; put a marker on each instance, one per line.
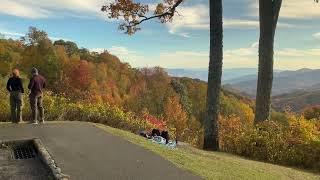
(133, 14)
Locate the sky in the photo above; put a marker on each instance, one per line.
(184, 43)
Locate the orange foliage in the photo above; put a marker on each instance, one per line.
(312, 112)
(176, 117)
(80, 76)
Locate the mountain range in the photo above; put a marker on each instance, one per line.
(296, 89)
(202, 73)
(283, 82)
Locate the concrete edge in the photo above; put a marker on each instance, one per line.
(44, 156)
(49, 161)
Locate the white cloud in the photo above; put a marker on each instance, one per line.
(248, 24)
(121, 51)
(182, 34)
(286, 58)
(59, 38)
(170, 59)
(283, 53)
(125, 54)
(48, 8)
(178, 59)
(233, 58)
(16, 8)
(17, 35)
(238, 23)
(196, 17)
(255, 44)
(316, 35)
(98, 50)
(293, 9)
(289, 52)
(12, 34)
(300, 9)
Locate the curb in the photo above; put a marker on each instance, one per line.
(49, 161)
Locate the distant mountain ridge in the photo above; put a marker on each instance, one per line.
(202, 73)
(284, 82)
(295, 89)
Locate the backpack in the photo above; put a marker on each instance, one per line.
(165, 135)
(155, 132)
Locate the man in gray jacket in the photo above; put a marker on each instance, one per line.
(36, 86)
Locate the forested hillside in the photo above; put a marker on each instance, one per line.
(88, 77)
(296, 101)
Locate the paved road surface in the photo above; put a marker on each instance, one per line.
(86, 152)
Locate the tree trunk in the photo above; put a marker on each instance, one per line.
(211, 141)
(269, 12)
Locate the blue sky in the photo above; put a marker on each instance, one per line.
(184, 43)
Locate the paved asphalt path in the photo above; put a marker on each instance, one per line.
(86, 152)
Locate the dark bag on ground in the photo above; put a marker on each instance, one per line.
(155, 132)
(165, 135)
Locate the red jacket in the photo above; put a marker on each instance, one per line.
(36, 85)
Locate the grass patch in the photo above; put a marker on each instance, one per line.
(214, 165)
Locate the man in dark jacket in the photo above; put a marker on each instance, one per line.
(36, 86)
(15, 87)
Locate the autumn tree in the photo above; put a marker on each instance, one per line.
(133, 14)
(10, 55)
(181, 90)
(40, 53)
(70, 47)
(35, 37)
(176, 118)
(155, 93)
(269, 11)
(81, 77)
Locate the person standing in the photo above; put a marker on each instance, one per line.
(36, 86)
(15, 87)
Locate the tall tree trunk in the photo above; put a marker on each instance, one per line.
(269, 13)
(211, 141)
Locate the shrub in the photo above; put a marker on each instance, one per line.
(296, 143)
(312, 112)
(105, 114)
(4, 107)
(60, 108)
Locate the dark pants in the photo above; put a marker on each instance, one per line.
(36, 108)
(16, 106)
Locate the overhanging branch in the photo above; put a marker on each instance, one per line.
(170, 13)
(134, 14)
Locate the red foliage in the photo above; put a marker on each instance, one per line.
(160, 124)
(81, 75)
